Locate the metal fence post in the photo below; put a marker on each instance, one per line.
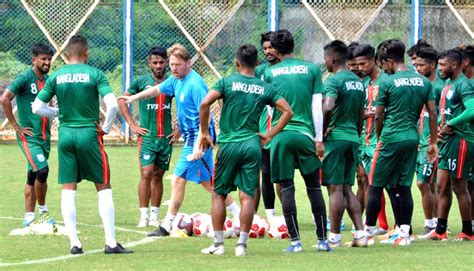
(272, 15)
(416, 23)
(127, 62)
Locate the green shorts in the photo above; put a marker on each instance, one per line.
(290, 150)
(339, 162)
(82, 155)
(153, 150)
(36, 152)
(237, 165)
(456, 155)
(394, 164)
(425, 171)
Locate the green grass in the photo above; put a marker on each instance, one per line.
(183, 254)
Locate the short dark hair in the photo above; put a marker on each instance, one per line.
(282, 41)
(453, 55)
(41, 49)
(247, 55)
(158, 51)
(392, 49)
(265, 37)
(338, 50)
(350, 50)
(365, 50)
(468, 53)
(77, 45)
(421, 43)
(429, 54)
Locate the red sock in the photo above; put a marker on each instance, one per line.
(382, 218)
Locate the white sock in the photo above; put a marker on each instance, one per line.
(244, 236)
(42, 208)
(143, 212)
(68, 210)
(168, 222)
(370, 230)
(334, 237)
(107, 213)
(270, 213)
(234, 209)
(218, 236)
(429, 223)
(29, 216)
(154, 212)
(404, 230)
(294, 243)
(360, 234)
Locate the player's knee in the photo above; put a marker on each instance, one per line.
(287, 185)
(31, 178)
(42, 175)
(423, 187)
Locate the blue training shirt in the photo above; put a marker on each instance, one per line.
(189, 93)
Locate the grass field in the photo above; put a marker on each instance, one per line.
(52, 252)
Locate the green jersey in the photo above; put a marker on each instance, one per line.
(455, 94)
(77, 88)
(403, 95)
(369, 136)
(296, 81)
(260, 69)
(25, 87)
(155, 113)
(243, 101)
(424, 122)
(348, 91)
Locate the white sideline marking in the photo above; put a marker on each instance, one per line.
(143, 241)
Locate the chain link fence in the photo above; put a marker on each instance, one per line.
(211, 30)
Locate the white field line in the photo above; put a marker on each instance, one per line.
(143, 241)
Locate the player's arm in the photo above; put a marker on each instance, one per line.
(205, 140)
(286, 114)
(378, 119)
(466, 116)
(6, 101)
(146, 94)
(111, 112)
(432, 151)
(328, 107)
(40, 104)
(126, 114)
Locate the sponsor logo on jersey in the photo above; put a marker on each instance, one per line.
(72, 78)
(449, 95)
(157, 106)
(40, 157)
(413, 81)
(252, 89)
(146, 156)
(181, 97)
(300, 69)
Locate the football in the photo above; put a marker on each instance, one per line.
(183, 222)
(277, 228)
(259, 227)
(201, 224)
(228, 228)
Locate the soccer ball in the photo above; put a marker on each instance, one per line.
(277, 228)
(228, 228)
(183, 222)
(259, 227)
(201, 224)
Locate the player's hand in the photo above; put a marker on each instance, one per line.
(204, 142)
(432, 152)
(174, 136)
(328, 131)
(24, 131)
(127, 99)
(368, 113)
(446, 129)
(320, 149)
(264, 139)
(138, 130)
